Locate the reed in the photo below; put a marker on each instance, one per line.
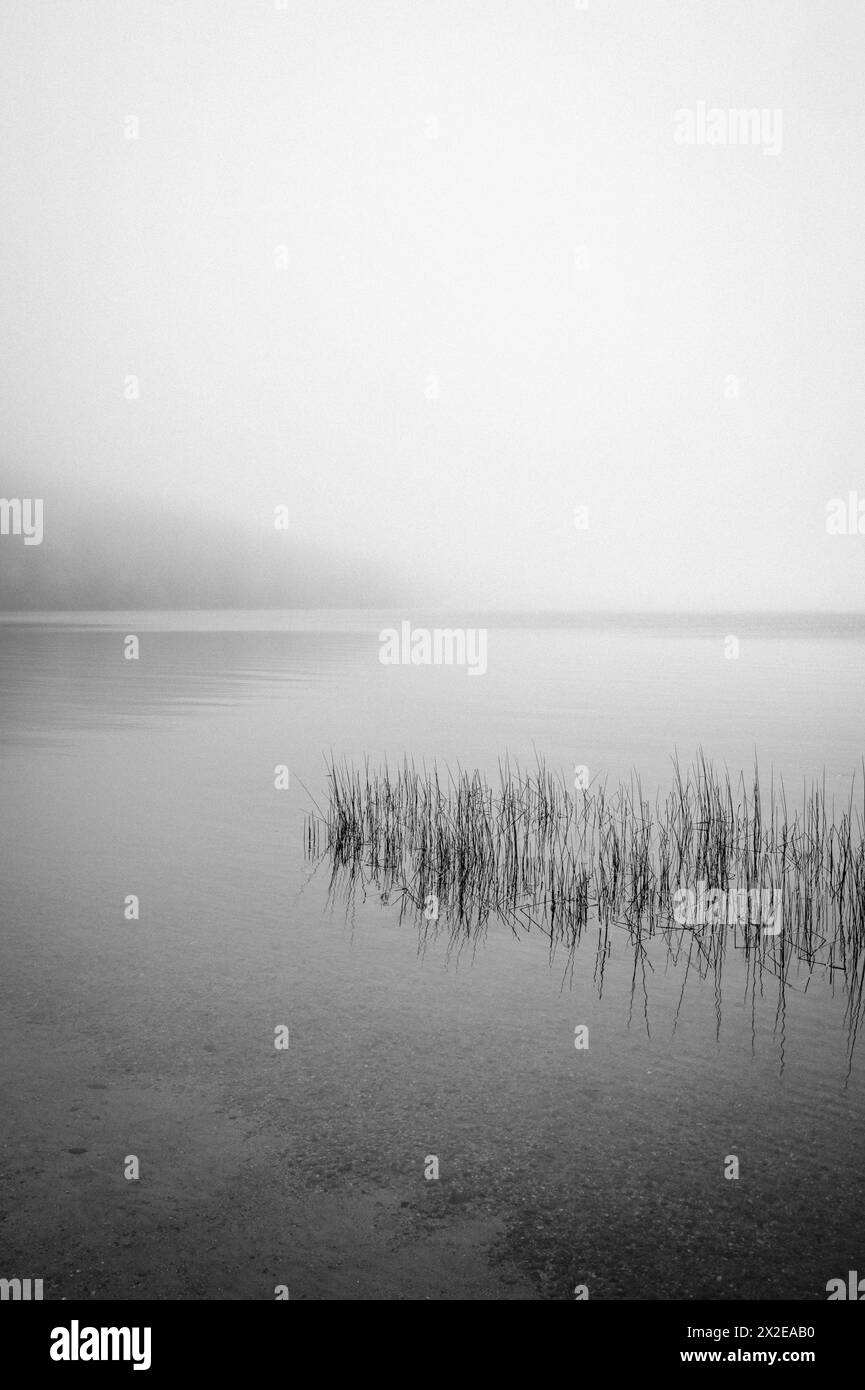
(531, 840)
(531, 851)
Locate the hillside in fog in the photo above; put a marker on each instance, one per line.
(129, 554)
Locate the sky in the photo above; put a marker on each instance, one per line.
(431, 275)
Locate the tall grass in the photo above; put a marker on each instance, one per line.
(532, 851)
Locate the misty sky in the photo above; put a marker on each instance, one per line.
(329, 205)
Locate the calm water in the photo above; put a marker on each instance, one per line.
(261, 1167)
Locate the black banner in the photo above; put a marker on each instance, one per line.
(164, 1339)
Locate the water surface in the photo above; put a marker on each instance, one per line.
(260, 1167)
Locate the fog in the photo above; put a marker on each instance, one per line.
(430, 276)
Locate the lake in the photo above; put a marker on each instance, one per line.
(306, 1167)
